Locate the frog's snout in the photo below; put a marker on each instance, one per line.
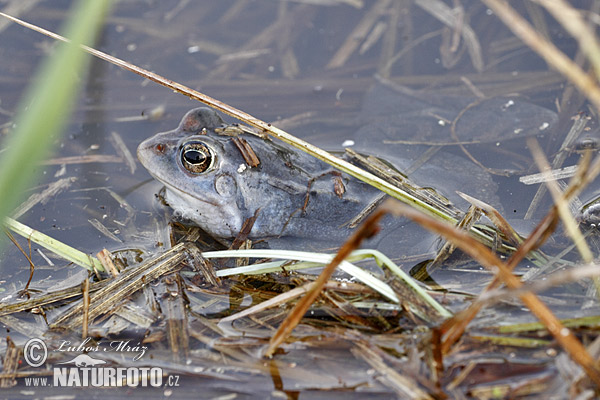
(149, 149)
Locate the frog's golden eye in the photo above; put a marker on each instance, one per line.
(196, 157)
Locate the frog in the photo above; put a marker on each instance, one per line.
(218, 177)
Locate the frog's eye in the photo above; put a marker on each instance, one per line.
(196, 157)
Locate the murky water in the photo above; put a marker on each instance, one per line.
(282, 62)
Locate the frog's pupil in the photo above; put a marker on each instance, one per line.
(196, 157)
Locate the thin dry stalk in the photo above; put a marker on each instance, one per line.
(497, 218)
(561, 204)
(121, 148)
(488, 259)
(85, 289)
(44, 196)
(447, 16)
(454, 328)
(10, 364)
(368, 229)
(359, 33)
(27, 256)
(571, 19)
(404, 386)
(86, 159)
(553, 56)
(16, 8)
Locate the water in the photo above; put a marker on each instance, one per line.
(279, 74)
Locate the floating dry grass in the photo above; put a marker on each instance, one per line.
(121, 287)
(370, 351)
(452, 18)
(578, 127)
(366, 230)
(561, 204)
(312, 260)
(488, 259)
(547, 50)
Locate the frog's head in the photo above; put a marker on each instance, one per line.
(199, 171)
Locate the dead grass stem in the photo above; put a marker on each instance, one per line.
(489, 260)
(547, 50)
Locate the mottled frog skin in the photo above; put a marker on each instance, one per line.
(209, 182)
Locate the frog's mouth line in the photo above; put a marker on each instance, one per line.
(176, 191)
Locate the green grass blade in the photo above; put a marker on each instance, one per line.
(67, 252)
(324, 259)
(43, 111)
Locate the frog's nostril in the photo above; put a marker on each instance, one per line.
(159, 148)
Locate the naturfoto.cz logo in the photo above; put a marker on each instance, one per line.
(85, 370)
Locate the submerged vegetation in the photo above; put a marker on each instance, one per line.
(238, 326)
